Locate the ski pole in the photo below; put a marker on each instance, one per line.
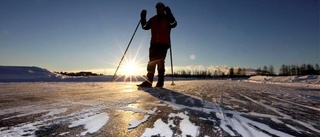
(171, 66)
(115, 73)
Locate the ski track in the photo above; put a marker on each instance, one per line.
(290, 102)
(94, 115)
(282, 114)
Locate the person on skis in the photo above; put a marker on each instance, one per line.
(160, 25)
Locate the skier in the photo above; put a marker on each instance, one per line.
(160, 26)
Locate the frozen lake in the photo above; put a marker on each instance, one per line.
(194, 108)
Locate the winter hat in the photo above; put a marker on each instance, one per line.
(160, 4)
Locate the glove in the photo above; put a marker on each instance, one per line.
(143, 14)
(167, 10)
(169, 14)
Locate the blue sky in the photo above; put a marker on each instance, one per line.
(69, 35)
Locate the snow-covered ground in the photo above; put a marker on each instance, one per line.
(256, 107)
(36, 74)
(308, 80)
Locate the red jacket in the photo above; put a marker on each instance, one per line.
(160, 26)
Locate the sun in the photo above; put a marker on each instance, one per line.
(130, 68)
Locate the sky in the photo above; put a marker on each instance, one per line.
(76, 35)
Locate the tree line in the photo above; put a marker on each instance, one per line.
(285, 70)
(191, 74)
(304, 69)
(288, 70)
(266, 71)
(82, 73)
(203, 74)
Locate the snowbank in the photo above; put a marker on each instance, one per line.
(308, 79)
(17, 73)
(36, 74)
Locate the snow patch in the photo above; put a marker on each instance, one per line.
(159, 128)
(92, 123)
(187, 128)
(135, 122)
(310, 80)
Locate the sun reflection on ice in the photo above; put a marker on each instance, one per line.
(129, 88)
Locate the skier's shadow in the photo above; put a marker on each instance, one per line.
(175, 98)
(199, 111)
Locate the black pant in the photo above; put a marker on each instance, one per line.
(157, 55)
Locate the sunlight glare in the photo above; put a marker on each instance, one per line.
(130, 68)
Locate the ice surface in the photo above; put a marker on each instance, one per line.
(245, 109)
(53, 112)
(92, 119)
